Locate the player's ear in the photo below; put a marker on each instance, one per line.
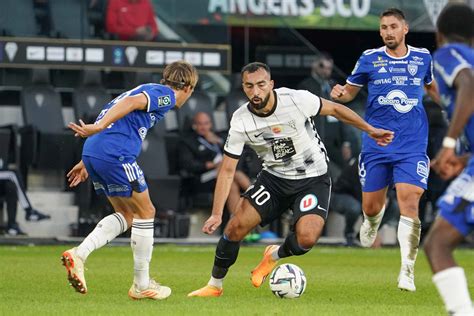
(406, 28)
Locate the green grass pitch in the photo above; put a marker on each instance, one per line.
(341, 281)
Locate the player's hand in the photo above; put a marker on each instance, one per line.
(84, 130)
(381, 136)
(447, 164)
(212, 223)
(337, 92)
(77, 174)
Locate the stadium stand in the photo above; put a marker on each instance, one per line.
(44, 132)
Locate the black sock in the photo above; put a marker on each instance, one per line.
(226, 255)
(291, 247)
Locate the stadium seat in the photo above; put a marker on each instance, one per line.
(233, 101)
(153, 160)
(17, 18)
(198, 102)
(133, 79)
(89, 99)
(45, 142)
(69, 18)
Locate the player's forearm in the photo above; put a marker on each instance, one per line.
(464, 107)
(433, 92)
(221, 192)
(119, 110)
(346, 115)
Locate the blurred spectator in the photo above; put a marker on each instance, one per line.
(320, 82)
(11, 190)
(338, 138)
(200, 155)
(437, 128)
(131, 20)
(346, 199)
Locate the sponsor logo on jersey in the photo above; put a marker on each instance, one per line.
(422, 169)
(362, 173)
(382, 81)
(398, 62)
(141, 180)
(283, 148)
(415, 81)
(412, 69)
(397, 70)
(277, 129)
(379, 63)
(308, 202)
(117, 188)
(152, 119)
(399, 80)
(142, 131)
(97, 186)
(417, 62)
(382, 70)
(164, 100)
(399, 100)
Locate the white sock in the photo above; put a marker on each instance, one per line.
(409, 230)
(452, 286)
(375, 220)
(142, 246)
(105, 231)
(275, 255)
(216, 282)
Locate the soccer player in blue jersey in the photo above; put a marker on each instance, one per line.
(454, 72)
(395, 74)
(109, 159)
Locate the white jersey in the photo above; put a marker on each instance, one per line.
(285, 139)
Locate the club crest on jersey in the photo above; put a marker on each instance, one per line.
(412, 69)
(308, 202)
(164, 100)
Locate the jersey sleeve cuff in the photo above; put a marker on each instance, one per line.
(354, 84)
(148, 101)
(231, 155)
(320, 106)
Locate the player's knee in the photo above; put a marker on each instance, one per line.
(306, 242)
(428, 245)
(147, 211)
(372, 208)
(235, 230)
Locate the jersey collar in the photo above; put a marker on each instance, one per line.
(402, 57)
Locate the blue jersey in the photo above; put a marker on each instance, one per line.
(449, 60)
(395, 87)
(121, 141)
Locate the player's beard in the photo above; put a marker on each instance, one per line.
(392, 43)
(262, 104)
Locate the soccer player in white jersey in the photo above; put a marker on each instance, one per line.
(277, 124)
(454, 72)
(109, 159)
(395, 74)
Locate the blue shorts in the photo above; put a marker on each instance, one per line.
(115, 179)
(377, 171)
(456, 205)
